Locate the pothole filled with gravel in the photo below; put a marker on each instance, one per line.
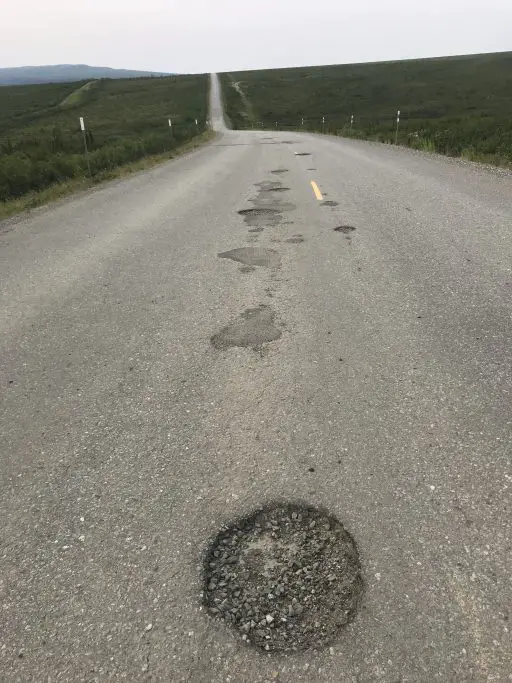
(329, 202)
(286, 578)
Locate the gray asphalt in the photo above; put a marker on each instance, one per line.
(128, 439)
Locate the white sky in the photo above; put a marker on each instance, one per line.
(222, 35)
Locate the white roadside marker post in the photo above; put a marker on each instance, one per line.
(82, 128)
(397, 126)
(323, 124)
(351, 122)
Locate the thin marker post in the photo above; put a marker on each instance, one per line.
(82, 128)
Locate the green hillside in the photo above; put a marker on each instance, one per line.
(454, 105)
(40, 139)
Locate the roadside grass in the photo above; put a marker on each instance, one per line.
(66, 188)
(458, 106)
(41, 144)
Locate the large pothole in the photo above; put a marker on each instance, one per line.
(254, 327)
(286, 577)
(254, 256)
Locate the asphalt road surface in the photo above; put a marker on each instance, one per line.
(375, 382)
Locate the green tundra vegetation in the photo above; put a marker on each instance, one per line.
(41, 143)
(460, 106)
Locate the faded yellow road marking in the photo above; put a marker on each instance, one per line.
(316, 190)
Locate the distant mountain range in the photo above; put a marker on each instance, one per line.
(61, 73)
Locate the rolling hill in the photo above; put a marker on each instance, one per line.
(458, 106)
(61, 73)
(41, 143)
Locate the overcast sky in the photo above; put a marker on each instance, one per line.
(222, 35)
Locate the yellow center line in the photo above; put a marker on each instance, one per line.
(316, 190)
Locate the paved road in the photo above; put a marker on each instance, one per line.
(128, 438)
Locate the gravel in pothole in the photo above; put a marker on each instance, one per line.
(286, 578)
(296, 239)
(254, 256)
(329, 202)
(345, 229)
(254, 327)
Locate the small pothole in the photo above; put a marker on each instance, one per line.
(275, 203)
(259, 212)
(261, 216)
(296, 239)
(277, 171)
(330, 202)
(302, 154)
(268, 184)
(287, 577)
(345, 229)
(276, 189)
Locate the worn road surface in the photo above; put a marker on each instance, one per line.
(374, 379)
